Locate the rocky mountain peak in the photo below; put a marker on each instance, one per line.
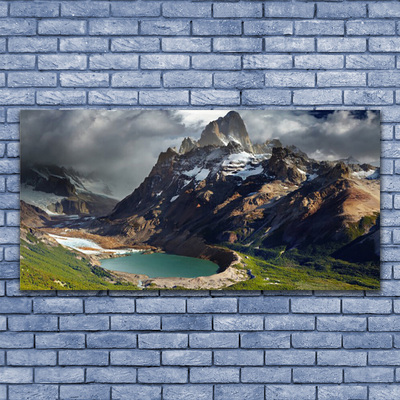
(187, 145)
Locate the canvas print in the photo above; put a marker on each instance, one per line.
(200, 200)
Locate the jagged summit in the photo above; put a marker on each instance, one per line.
(220, 132)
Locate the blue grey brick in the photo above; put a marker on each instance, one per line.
(237, 10)
(367, 341)
(343, 11)
(32, 323)
(319, 61)
(311, 97)
(217, 27)
(341, 45)
(158, 98)
(179, 392)
(384, 357)
(110, 375)
(9, 270)
(135, 322)
(186, 79)
(9, 234)
(83, 79)
(83, 357)
(266, 375)
(164, 306)
(107, 305)
(60, 375)
(289, 79)
(367, 306)
(17, 61)
(318, 340)
(386, 44)
(262, 96)
(368, 374)
(15, 305)
(239, 392)
(187, 323)
(370, 61)
(16, 375)
(345, 392)
(162, 375)
(61, 97)
(31, 357)
(261, 340)
(61, 27)
(88, 45)
(139, 44)
(19, 26)
(384, 10)
(365, 27)
(238, 357)
(317, 27)
(368, 97)
(87, 392)
(384, 78)
(12, 181)
(264, 305)
(33, 392)
(136, 9)
(3, 9)
(386, 323)
(34, 9)
(16, 340)
(341, 78)
(114, 61)
(341, 323)
(85, 9)
(239, 80)
(288, 44)
(214, 340)
(342, 358)
(186, 357)
(165, 27)
(181, 9)
(163, 340)
(32, 79)
(135, 357)
(193, 45)
(238, 323)
(288, 10)
(62, 61)
(218, 97)
(386, 165)
(381, 392)
(216, 62)
(111, 340)
(237, 45)
(9, 201)
(320, 305)
(317, 375)
(214, 375)
(113, 27)
(138, 79)
(84, 323)
(136, 392)
(3, 322)
(289, 323)
(290, 392)
(32, 45)
(164, 61)
(290, 357)
(268, 27)
(212, 305)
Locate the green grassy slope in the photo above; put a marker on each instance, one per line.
(276, 269)
(45, 268)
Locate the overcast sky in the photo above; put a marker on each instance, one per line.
(121, 146)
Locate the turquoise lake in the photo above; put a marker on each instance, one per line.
(161, 265)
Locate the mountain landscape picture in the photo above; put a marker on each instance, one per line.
(200, 200)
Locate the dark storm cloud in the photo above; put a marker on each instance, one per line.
(121, 146)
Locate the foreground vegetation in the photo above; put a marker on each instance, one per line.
(45, 267)
(278, 269)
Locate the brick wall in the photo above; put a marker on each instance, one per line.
(199, 345)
